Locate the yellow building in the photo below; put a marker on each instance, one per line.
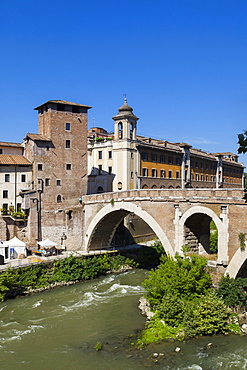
(128, 161)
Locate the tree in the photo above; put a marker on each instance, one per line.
(242, 141)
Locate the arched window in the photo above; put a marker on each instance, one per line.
(154, 187)
(59, 199)
(144, 186)
(120, 130)
(100, 189)
(131, 131)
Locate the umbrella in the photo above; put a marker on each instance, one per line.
(47, 243)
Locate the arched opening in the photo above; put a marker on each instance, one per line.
(144, 186)
(162, 187)
(201, 234)
(113, 225)
(59, 199)
(120, 130)
(170, 187)
(131, 131)
(100, 189)
(154, 186)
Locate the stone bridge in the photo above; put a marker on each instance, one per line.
(177, 217)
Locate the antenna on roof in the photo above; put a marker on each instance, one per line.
(125, 98)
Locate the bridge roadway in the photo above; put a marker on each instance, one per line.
(172, 214)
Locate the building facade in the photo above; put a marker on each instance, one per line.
(129, 161)
(55, 177)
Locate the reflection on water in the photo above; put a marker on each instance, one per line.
(59, 329)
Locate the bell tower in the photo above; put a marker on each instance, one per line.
(125, 123)
(124, 149)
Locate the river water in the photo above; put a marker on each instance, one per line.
(58, 329)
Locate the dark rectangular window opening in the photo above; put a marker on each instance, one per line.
(7, 177)
(40, 167)
(100, 169)
(58, 182)
(5, 194)
(67, 144)
(61, 107)
(144, 156)
(110, 154)
(110, 170)
(23, 178)
(68, 166)
(100, 154)
(67, 126)
(47, 182)
(75, 109)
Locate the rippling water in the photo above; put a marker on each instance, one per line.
(59, 329)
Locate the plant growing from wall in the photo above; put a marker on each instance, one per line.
(241, 238)
(112, 201)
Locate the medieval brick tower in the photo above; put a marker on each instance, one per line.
(59, 156)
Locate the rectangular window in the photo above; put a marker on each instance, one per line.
(47, 182)
(162, 173)
(5, 194)
(100, 169)
(40, 167)
(170, 160)
(68, 166)
(202, 177)
(177, 174)
(58, 182)
(132, 174)
(67, 144)
(100, 154)
(23, 178)
(154, 172)
(18, 207)
(170, 174)
(206, 166)
(110, 154)
(67, 126)
(162, 159)
(110, 170)
(145, 172)
(1, 151)
(7, 177)
(154, 157)
(196, 164)
(206, 177)
(178, 161)
(75, 109)
(202, 165)
(144, 156)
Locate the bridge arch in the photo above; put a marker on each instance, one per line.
(115, 213)
(238, 261)
(221, 224)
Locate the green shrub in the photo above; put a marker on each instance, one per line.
(214, 241)
(184, 278)
(233, 291)
(209, 315)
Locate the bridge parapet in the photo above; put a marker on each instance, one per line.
(229, 196)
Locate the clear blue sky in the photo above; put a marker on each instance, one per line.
(182, 64)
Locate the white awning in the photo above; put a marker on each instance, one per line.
(47, 243)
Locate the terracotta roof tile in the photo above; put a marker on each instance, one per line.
(14, 160)
(37, 137)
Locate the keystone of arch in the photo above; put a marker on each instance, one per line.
(132, 208)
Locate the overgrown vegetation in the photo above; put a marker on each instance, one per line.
(241, 238)
(16, 281)
(180, 293)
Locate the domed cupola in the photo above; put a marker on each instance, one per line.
(125, 122)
